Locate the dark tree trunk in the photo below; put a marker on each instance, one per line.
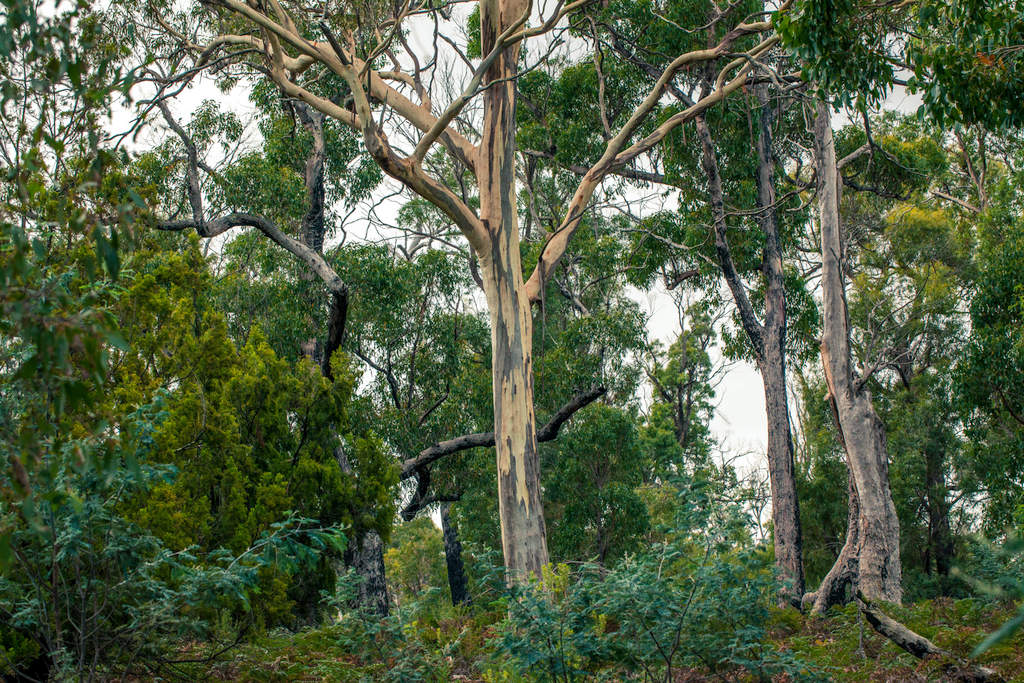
(457, 581)
(785, 505)
(366, 556)
(940, 539)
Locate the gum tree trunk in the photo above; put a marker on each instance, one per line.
(878, 551)
(522, 519)
(785, 505)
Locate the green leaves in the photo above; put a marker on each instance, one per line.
(694, 600)
(965, 56)
(967, 62)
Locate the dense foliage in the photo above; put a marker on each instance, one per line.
(247, 420)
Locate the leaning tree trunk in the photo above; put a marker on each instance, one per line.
(519, 504)
(457, 581)
(878, 552)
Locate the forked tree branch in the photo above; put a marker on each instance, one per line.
(616, 154)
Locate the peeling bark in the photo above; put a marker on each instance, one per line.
(519, 504)
(878, 551)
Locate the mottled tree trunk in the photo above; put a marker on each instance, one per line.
(458, 584)
(522, 519)
(785, 505)
(878, 552)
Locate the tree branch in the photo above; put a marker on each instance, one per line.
(748, 317)
(486, 439)
(921, 647)
(237, 219)
(614, 154)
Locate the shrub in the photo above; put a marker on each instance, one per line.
(691, 601)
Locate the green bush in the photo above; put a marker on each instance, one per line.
(693, 601)
(87, 593)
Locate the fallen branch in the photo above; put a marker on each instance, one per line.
(956, 668)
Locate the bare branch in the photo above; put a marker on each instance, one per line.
(486, 439)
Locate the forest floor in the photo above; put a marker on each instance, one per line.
(456, 647)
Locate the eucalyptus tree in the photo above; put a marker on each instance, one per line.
(729, 223)
(851, 52)
(302, 46)
(911, 253)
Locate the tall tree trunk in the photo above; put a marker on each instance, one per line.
(458, 584)
(768, 341)
(785, 505)
(522, 519)
(878, 552)
(364, 554)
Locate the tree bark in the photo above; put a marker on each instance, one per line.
(878, 552)
(785, 505)
(768, 341)
(366, 556)
(519, 504)
(457, 581)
